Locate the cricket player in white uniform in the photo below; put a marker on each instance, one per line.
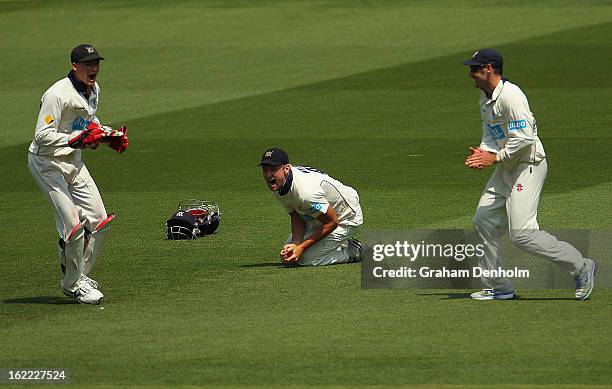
(510, 198)
(66, 124)
(324, 212)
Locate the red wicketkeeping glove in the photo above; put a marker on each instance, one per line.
(119, 144)
(90, 137)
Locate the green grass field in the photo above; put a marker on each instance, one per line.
(352, 87)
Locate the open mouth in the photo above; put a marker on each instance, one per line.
(92, 76)
(271, 182)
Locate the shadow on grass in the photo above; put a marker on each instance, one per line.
(54, 300)
(545, 298)
(453, 296)
(265, 264)
(449, 296)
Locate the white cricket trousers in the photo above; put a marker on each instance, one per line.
(74, 196)
(509, 203)
(331, 250)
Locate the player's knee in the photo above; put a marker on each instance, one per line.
(308, 258)
(97, 219)
(479, 221)
(73, 231)
(521, 238)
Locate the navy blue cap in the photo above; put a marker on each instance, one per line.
(274, 156)
(486, 56)
(83, 53)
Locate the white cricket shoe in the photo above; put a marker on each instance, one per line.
(84, 292)
(585, 280)
(91, 281)
(492, 294)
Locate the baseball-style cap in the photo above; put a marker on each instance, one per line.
(486, 56)
(83, 53)
(274, 156)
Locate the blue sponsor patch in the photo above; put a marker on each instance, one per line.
(516, 125)
(79, 124)
(497, 132)
(316, 207)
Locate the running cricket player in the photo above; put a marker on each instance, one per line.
(510, 198)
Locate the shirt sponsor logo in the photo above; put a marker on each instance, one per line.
(79, 124)
(497, 132)
(316, 207)
(49, 119)
(516, 125)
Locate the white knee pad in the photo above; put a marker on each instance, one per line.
(94, 244)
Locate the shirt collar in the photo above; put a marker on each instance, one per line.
(287, 185)
(494, 95)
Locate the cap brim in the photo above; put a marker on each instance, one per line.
(471, 62)
(270, 163)
(90, 58)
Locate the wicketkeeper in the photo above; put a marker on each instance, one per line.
(67, 123)
(324, 212)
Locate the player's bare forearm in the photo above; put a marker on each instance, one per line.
(480, 158)
(329, 222)
(298, 228)
(320, 233)
(291, 252)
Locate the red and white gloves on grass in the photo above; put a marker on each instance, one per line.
(94, 134)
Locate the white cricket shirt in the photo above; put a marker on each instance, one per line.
(312, 192)
(63, 110)
(508, 125)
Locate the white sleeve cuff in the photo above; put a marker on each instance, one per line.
(501, 156)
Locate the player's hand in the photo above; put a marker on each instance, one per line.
(473, 150)
(480, 158)
(88, 138)
(119, 144)
(291, 253)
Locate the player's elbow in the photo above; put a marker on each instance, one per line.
(39, 137)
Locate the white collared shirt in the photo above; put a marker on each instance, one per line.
(508, 125)
(63, 110)
(312, 192)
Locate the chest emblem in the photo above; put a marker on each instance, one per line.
(497, 132)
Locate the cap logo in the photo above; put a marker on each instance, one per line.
(475, 54)
(90, 49)
(268, 154)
